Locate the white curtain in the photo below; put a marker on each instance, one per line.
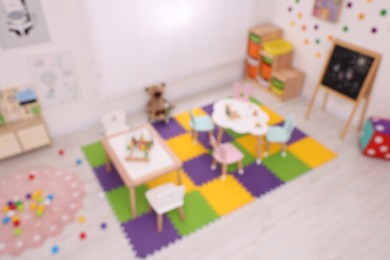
(136, 43)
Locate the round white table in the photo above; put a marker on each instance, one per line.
(251, 119)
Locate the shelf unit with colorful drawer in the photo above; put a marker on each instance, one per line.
(269, 62)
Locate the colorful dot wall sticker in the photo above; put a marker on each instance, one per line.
(345, 28)
(374, 30)
(300, 15)
(318, 55)
(361, 16)
(289, 9)
(292, 23)
(303, 27)
(383, 12)
(306, 41)
(316, 27)
(318, 41)
(349, 4)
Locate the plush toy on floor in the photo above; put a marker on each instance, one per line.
(158, 108)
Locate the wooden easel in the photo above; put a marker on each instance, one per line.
(364, 93)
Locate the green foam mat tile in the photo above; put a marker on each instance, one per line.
(197, 211)
(285, 168)
(119, 199)
(95, 154)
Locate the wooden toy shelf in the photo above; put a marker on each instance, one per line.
(23, 136)
(269, 63)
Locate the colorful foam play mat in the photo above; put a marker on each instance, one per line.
(208, 197)
(37, 204)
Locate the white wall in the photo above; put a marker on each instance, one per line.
(359, 34)
(66, 28)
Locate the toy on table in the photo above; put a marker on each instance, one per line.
(232, 114)
(375, 138)
(158, 108)
(139, 148)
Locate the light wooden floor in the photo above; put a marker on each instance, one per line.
(338, 211)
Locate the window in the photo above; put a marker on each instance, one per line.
(139, 42)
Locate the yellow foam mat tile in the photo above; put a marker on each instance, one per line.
(184, 118)
(172, 177)
(226, 195)
(274, 118)
(311, 152)
(249, 143)
(185, 148)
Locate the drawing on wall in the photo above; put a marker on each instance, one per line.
(327, 10)
(21, 23)
(18, 103)
(55, 78)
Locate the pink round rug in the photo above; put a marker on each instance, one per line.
(35, 205)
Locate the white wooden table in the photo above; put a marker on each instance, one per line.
(252, 120)
(134, 173)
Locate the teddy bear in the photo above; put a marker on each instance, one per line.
(158, 108)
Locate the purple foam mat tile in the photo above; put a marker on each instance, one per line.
(208, 109)
(297, 135)
(169, 130)
(108, 180)
(203, 138)
(258, 180)
(143, 235)
(199, 169)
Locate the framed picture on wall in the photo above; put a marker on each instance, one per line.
(327, 10)
(22, 23)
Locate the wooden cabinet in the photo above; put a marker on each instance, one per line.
(23, 136)
(269, 62)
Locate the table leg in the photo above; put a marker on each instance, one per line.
(179, 181)
(133, 202)
(259, 149)
(220, 134)
(108, 162)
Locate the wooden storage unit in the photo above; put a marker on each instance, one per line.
(23, 136)
(270, 57)
(287, 83)
(259, 35)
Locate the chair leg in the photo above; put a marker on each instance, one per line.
(267, 146)
(210, 136)
(240, 168)
(159, 223)
(224, 171)
(181, 213)
(284, 148)
(214, 165)
(195, 136)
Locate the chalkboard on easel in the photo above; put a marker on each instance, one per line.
(347, 71)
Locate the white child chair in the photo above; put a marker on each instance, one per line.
(114, 122)
(165, 198)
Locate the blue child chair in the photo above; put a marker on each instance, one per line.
(280, 134)
(200, 124)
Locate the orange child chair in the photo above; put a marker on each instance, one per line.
(226, 154)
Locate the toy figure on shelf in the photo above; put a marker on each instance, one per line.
(158, 108)
(139, 148)
(232, 114)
